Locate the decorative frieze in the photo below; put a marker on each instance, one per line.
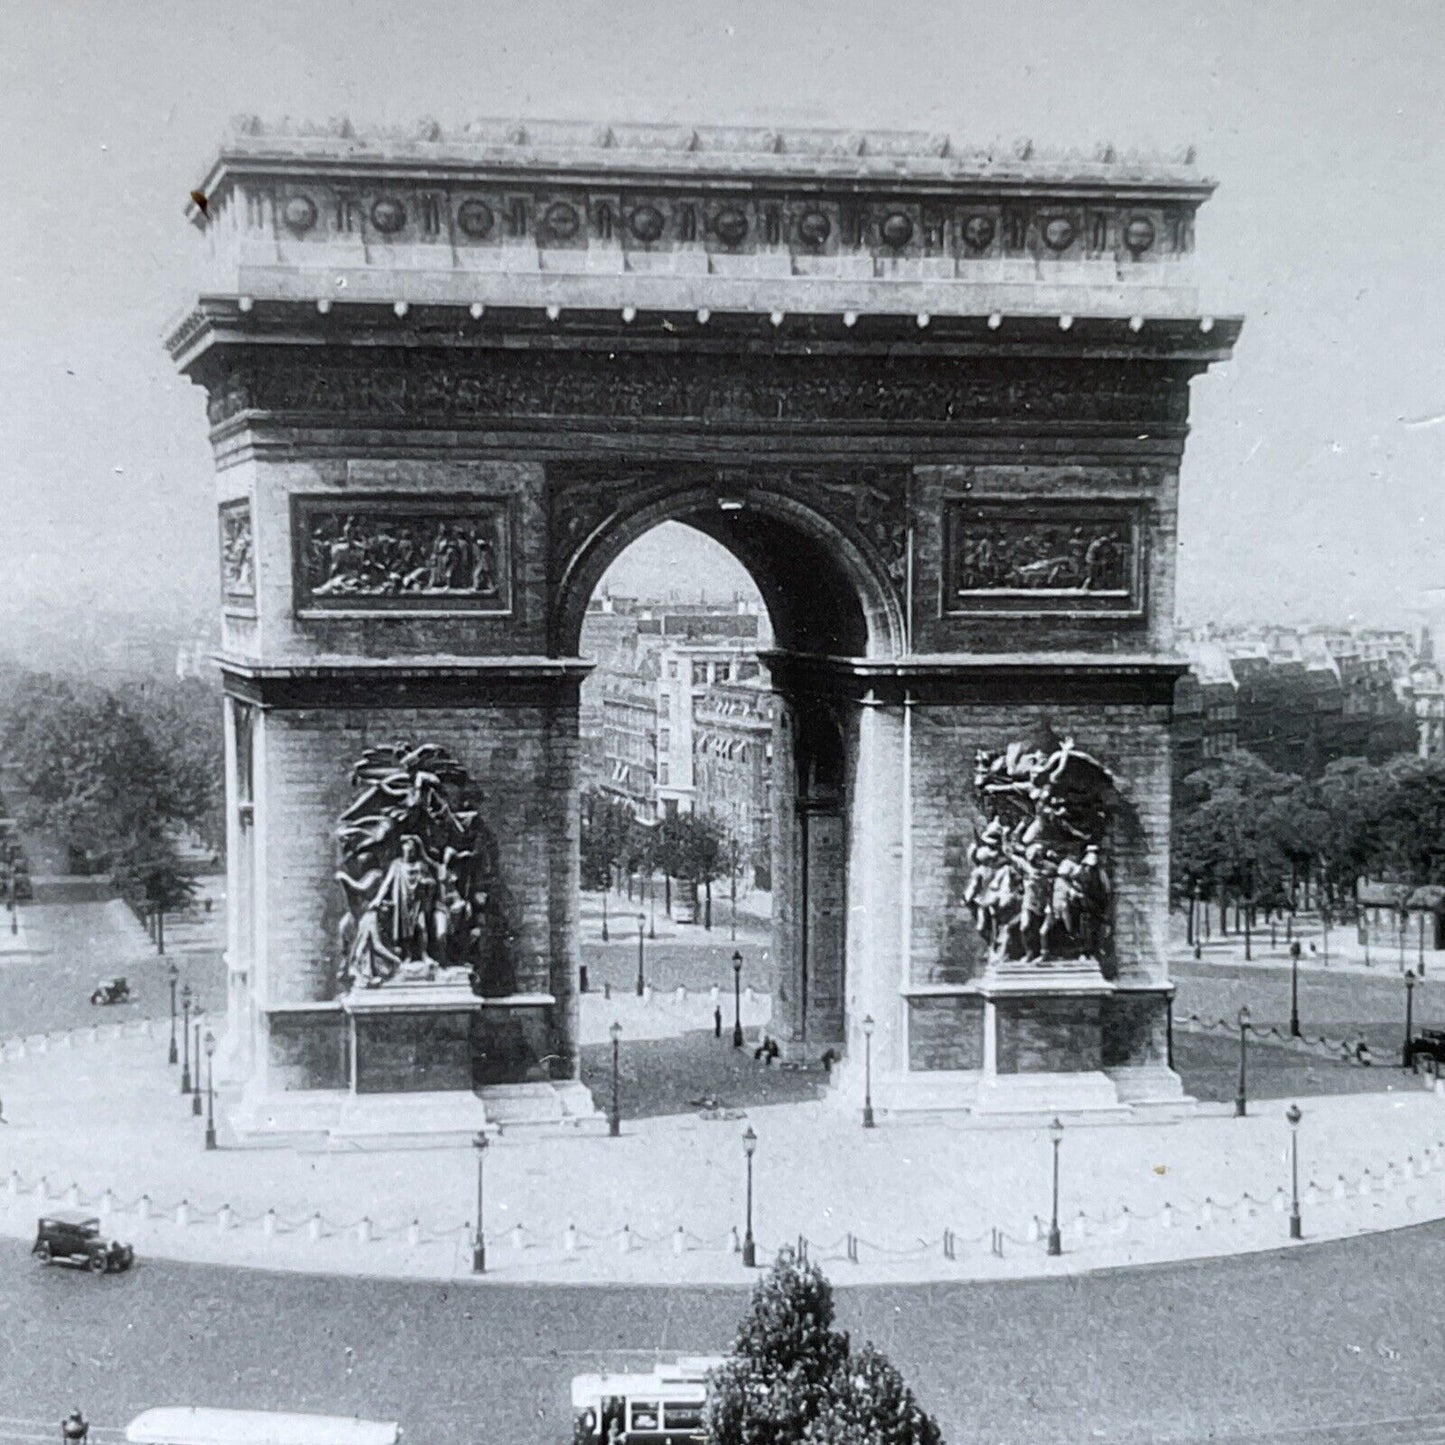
(848, 392)
(1034, 557)
(400, 553)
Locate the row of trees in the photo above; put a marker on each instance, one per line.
(1246, 834)
(695, 847)
(117, 772)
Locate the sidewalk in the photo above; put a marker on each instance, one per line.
(103, 1124)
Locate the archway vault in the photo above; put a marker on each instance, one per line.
(827, 549)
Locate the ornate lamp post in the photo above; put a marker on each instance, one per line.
(1407, 1053)
(641, 944)
(614, 1119)
(186, 1039)
(196, 1092)
(1240, 1093)
(210, 1090)
(479, 1241)
(1294, 952)
(1056, 1136)
(172, 974)
(750, 1248)
(1294, 1115)
(868, 1071)
(737, 1000)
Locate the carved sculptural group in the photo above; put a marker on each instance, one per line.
(416, 871)
(374, 555)
(1037, 888)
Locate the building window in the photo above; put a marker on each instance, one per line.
(672, 669)
(662, 774)
(664, 740)
(699, 674)
(664, 705)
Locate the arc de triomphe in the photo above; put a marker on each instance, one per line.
(934, 400)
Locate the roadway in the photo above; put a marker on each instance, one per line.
(1313, 1337)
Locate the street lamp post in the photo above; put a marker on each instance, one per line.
(196, 1092)
(172, 974)
(1401, 920)
(186, 1039)
(1294, 1115)
(750, 1248)
(606, 888)
(210, 1090)
(1056, 1135)
(868, 1120)
(614, 1119)
(1294, 952)
(1407, 1053)
(641, 944)
(479, 1240)
(737, 1000)
(1325, 934)
(1240, 1095)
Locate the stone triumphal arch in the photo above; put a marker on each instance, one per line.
(935, 400)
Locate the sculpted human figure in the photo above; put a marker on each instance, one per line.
(1036, 887)
(415, 875)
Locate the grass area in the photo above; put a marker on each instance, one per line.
(674, 1076)
(1209, 1066)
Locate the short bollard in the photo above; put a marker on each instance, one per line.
(712, 994)
(363, 1231)
(1081, 1225)
(1166, 1217)
(679, 1240)
(313, 1228)
(1206, 1211)
(647, 994)
(1036, 1230)
(268, 1224)
(681, 994)
(1341, 1189)
(224, 1219)
(569, 1239)
(183, 1214)
(1280, 1201)
(72, 1196)
(107, 1204)
(143, 1207)
(413, 1234)
(42, 1190)
(12, 1185)
(624, 1240)
(519, 1238)
(736, 1243)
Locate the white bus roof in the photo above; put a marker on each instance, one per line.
(685, 1380)
(200, 1425)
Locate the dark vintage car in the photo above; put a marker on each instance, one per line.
(111, 990)
(1428, 1048)
(75, 1238)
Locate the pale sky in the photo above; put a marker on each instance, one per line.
(1305, 491)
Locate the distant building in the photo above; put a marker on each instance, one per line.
(733, 767)
(629, 739)
(1298, 699)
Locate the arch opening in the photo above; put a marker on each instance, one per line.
(685, 742)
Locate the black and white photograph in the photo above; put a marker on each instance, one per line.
(722, 721)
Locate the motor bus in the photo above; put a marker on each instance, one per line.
(666, 1406)
(201, 1425)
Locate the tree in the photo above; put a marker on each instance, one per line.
(147, 873)
(792, 1378)
(182, 718)
(693, 846)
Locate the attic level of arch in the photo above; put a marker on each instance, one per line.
(809, 230)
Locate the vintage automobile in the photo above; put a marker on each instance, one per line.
(74, 1238)
(1428, 1047)
(111, 990)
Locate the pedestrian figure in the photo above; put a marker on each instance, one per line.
(717, 1022)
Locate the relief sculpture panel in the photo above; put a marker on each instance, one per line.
(401, 554)
(238, 559)
(1028, 558)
